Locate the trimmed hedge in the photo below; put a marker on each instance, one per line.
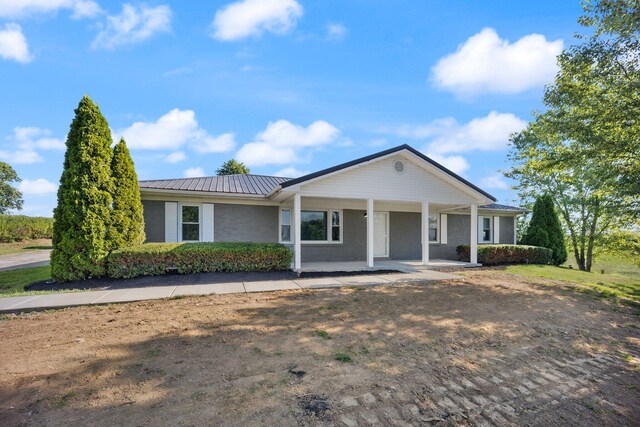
(16, 228)
(508, 254)
(159, 258)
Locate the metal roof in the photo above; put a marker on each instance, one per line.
(499, 207)
(233, 184)
(382, 154)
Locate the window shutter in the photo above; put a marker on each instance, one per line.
(443, 229)
(496, 229)
(207, 222)
(170, 222)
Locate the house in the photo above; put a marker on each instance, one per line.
(397, 204)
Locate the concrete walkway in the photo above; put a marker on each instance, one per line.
(69, 299)
(29, 259)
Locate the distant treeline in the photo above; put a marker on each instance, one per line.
(16, 228)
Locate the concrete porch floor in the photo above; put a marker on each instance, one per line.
(407, 266)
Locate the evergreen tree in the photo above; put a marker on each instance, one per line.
(545, 229)
(127, 222)
(232, 167)
(82, 216)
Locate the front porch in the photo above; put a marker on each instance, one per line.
(405, 266)
(344, 234)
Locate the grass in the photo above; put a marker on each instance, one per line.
(25, 246)
(608, 285)
(343, 357)
(322, 334)
(13, 282)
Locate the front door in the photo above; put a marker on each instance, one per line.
(381, 234)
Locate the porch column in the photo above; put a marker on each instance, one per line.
(473, 255)
(297, 232)
(425, 233)
(370, 233)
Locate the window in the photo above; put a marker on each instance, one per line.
(335, 226)
(285, 226)
(485, 230)
(315, 226)
(433, 228)
(190, 223)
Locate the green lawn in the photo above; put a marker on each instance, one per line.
(12, 282)
(25, 246)
(623, 284)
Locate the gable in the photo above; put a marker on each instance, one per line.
(380, 180)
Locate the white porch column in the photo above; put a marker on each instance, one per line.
(297, 232)
(473, 254)
(370, 233)
(425, 233)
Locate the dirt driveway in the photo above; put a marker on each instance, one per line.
(490, 350)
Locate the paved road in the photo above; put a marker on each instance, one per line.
(25, 260)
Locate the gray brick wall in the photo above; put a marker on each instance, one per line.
(506, 230)
(245, 223)
(153, 220)
(404, 235)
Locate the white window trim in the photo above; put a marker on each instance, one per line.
(437, 215)
(481, 229)
(329, 227)
(280, 224)
(199, 206)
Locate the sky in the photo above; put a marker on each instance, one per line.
(288, 87)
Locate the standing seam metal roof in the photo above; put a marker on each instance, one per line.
(232, 184)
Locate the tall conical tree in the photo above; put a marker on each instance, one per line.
(127, 222)
(81, 219)
(545, 229)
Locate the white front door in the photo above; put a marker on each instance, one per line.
(381, 234)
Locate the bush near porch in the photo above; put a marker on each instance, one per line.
(508, 254)
(160, 258)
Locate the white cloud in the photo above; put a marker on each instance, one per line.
(175, 157)
(489, 133)
(336, 32)
(291, 172)
(13, 44)
(20, 157)
(456, 164)
(133, 25)
(37, 187)
(494, 181)
(31, 138)
(282, 141)
(24, 8)
(485, 63)
(172, 131)
(194, 172)
(247, 18)
(214, 144)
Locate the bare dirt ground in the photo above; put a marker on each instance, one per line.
(489, 350)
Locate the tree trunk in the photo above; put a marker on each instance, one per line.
(592, 234)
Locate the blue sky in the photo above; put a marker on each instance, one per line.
(286, 86)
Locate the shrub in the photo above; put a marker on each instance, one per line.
(545, 229)
(16, 228)
(508, 254)
(160, 258)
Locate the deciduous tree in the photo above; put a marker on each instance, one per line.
(232, 167)
(10, 197)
